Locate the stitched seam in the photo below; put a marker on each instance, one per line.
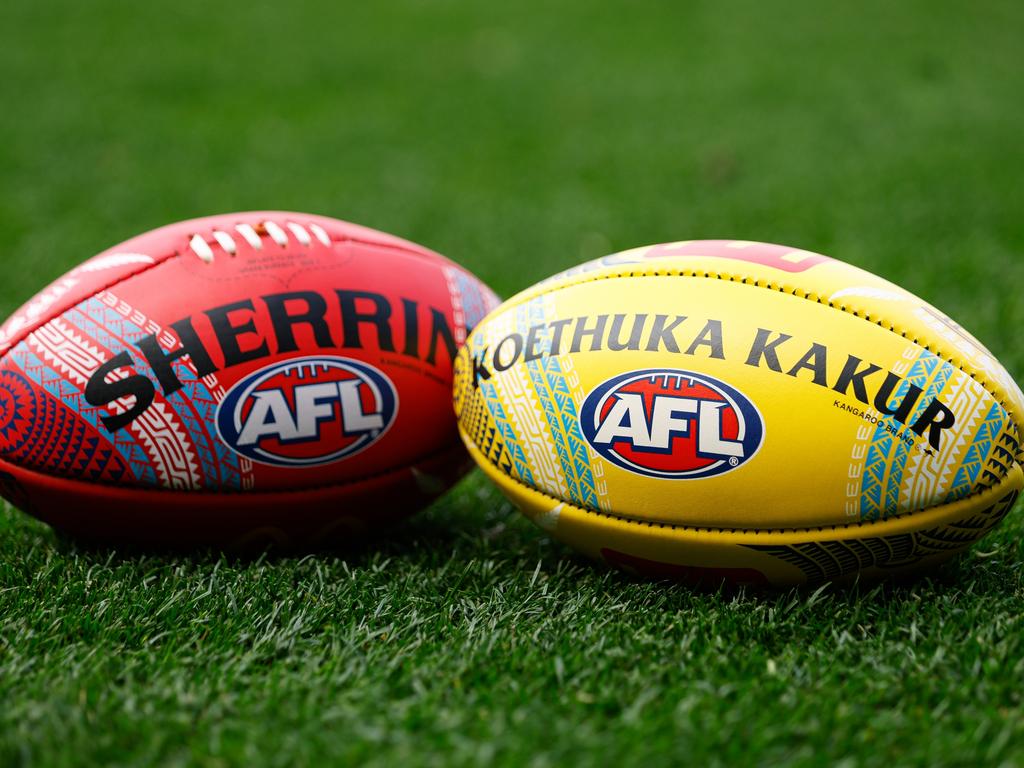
(710, 529)
(242, 491)
(161, 260)
(158, 261)
(770, 285)
(807, 295)
(425, 255)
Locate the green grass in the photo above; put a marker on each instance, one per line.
(519, 139)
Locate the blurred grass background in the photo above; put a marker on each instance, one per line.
(518, 139)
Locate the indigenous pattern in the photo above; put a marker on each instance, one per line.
(824, 560)
(171, 446)
(897, 479)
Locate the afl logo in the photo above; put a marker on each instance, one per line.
(307, 411)
(667, 423)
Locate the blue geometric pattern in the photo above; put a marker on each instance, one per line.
(978, 453)
(194, 403)
(40, 432)
(887, 456)
(520, 466)
(49, 380)
(559, 408)
(474, 303)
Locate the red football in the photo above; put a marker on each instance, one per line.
(263, 375)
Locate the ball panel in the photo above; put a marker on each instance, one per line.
(322, 516)
(875, 408)
(778, 557)
(335, 341)
(807, 385)
(818, 278)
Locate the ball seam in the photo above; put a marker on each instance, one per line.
(241, 491)
(165, 257)
(769, 285)
(711, 529)
(158, 261)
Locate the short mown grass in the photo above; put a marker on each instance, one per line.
(519, 139)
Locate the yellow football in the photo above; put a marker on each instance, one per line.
(729, 410)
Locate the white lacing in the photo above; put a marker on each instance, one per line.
(227, 242)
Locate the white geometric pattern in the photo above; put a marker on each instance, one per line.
(159, 430)
(928, 478)
(528, 417)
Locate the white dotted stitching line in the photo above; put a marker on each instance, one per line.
(526, 296)
(769, 285)
(201, 248)
(835, 527)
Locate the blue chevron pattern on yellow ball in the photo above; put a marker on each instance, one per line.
(520, 468)
(887, 456)
(560, 412)
(978, 452)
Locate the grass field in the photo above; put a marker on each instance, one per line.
(518, 139)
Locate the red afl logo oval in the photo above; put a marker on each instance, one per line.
(663, 422)
(308, 411)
